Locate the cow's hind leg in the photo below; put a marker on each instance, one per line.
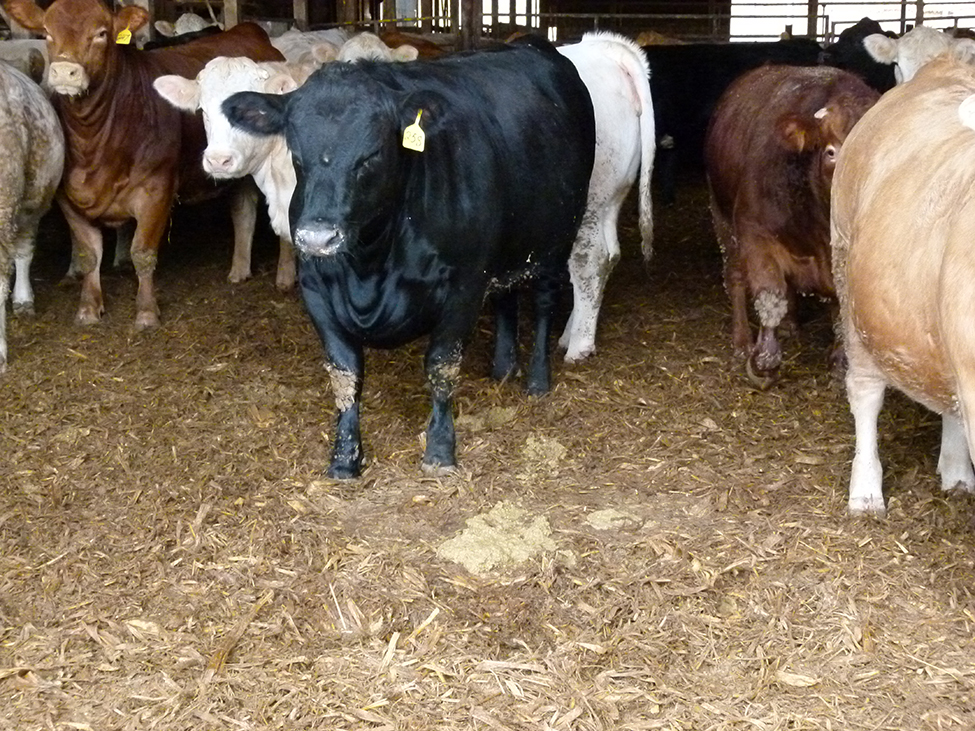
(592, 261)
(865, 391)
(124, 236)
(23, 299)
(771, 306)
(954, 462)
(547, 287)
(734, 284)
(4, 293)
(505, 362)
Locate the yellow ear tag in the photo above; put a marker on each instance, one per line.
(124, 36)
(413, 137)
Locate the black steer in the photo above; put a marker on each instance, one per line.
(395, 244)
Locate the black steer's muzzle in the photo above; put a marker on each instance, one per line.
(320, 239)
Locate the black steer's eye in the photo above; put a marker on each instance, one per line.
(830, 153)
(368, 162)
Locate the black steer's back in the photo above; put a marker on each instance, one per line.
(397, 244)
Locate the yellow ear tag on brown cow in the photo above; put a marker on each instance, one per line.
(124, 37)
(413, 137)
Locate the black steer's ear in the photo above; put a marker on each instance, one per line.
(259, 114)
(434, 107)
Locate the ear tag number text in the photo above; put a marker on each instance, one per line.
(413, 137)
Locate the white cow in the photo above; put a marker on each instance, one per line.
(368, 46)
(323, 45)
(30, 171)
(231, 153)
(185, 23)
(915, 48)
(616, 72)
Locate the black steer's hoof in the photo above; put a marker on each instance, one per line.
(340, 471)
(438, 470)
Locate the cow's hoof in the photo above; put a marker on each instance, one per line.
(761, 379)
(342, 472)
(23, 309)
(238, 277)
(146, 321)
(862, 506)
(577, 356)
(87, 317)
(3, 365)
(438, 470)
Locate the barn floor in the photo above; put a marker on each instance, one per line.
(172, 558)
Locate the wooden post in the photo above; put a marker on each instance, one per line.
(812, 10)
(471, 21)
(231, 14)
(300, 10)
(346, 11)
(426, 12)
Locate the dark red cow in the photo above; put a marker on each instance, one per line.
(770, 152)
(129, 153)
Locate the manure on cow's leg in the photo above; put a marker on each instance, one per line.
(766, 357)
(346, 462)
(443, 372)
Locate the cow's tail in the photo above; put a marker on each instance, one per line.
(637, 67)
(648, 148)
(634, 62)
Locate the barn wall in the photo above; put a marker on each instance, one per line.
(685, 19)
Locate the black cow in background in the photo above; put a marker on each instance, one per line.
(686, 81)
(848, 53)
(395, 244)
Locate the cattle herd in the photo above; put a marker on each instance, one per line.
(407, 194)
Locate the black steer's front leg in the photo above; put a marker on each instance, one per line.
(344, 363)
(347, 448)
(443, 372)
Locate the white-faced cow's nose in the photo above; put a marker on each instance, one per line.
(318, 238)
(219, 162)
(67, 77)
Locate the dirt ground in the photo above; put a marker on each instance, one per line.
(172, 558)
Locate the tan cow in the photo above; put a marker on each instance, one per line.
(903, 227)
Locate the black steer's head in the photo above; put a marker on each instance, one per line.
(344, 130)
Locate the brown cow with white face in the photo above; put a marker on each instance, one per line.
(903, 237)
(770, 153)
(129, 153)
